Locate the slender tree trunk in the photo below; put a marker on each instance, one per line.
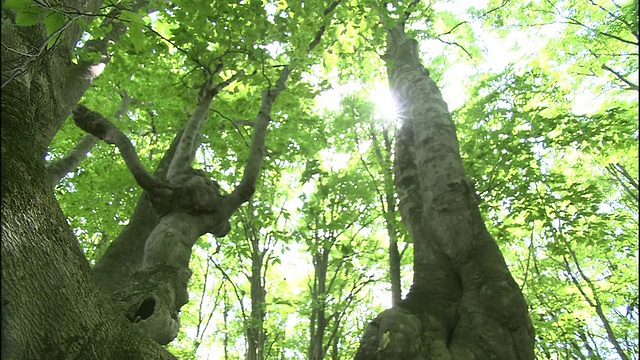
(256, 336)
(463, 303)
(388, 203)
(318, 321)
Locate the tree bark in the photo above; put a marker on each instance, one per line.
(124, 255)
(52, 308)
(318, 318)
(464, 303)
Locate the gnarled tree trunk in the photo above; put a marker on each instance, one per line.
(464, 303)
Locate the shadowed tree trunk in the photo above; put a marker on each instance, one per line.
(260, 246)
(318, 318)
(464, 303)
(388, 203)
(65, 316)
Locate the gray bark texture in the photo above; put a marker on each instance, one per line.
(256, 333)
(52, 308)
(464, 303)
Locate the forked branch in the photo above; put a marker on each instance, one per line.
(243, 192)
(190, 138)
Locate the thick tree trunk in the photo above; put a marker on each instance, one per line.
(51, 306)
(463, 303)
(151, 288)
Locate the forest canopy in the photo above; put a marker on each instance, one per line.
(543, 95)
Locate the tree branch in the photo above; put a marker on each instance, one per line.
(625, 179)
(247, 185)
(572, 21)
(58, 169)
(322, 29)
(456, 44)
(95, 124)
(629, 26)
(243, 192)
(190, 140)
(631, 85)
(83, 74)
(594, 301)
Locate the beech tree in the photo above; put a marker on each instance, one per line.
(163, 161)
(463, 302)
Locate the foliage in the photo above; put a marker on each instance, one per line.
(544, 161)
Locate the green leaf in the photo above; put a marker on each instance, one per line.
(137, 38)
(16, 4)
(28, 17)
(53, 22)
(132, 17)
(93, 57)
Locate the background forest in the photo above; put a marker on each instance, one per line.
(544, 95)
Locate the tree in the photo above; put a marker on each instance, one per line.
(566, 118)
(331, 228)
(463, 302)
(37, 243)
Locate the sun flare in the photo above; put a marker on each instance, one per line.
(386, 107)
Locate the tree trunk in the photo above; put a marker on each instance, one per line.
(318, 317)
(52, 308)
(388, 203)
(124, 255)
(464, 303)
(66, 316)
(256, 334)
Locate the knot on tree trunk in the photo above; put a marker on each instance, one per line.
(194, 193)
(152, 301)
(197, 194)
(394, 334)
